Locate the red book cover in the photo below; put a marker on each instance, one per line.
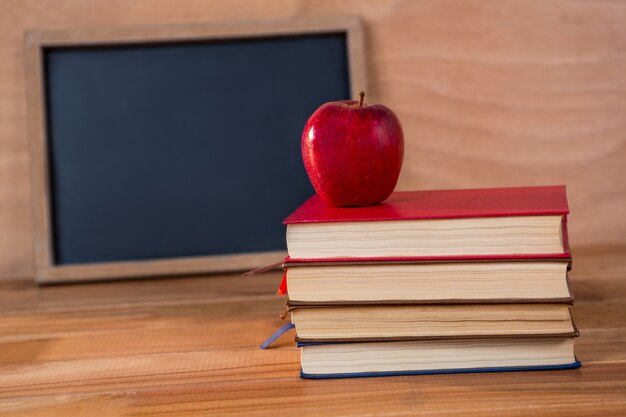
(444, 204)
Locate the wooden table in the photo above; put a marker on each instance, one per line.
(189, 346)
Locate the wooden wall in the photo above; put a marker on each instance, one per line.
(491, 93)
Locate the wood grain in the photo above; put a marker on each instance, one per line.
(189, 347)
(490, 93)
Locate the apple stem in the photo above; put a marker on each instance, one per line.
(362, 95)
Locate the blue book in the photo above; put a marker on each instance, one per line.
(427, 357)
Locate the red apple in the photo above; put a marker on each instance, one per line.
(353, 152)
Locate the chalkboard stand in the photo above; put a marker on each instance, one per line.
(47, 271)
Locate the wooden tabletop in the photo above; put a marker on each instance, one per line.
(189, 346)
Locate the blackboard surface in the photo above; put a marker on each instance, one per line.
(182, 149)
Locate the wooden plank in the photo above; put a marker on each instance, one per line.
(48, 273)
(591, 391)
(494, 93)
(190, 347)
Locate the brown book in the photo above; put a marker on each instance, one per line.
(428, 322)
(505, 281)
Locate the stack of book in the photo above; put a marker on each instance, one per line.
(432, 282)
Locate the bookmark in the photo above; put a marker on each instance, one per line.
(282, 288)
(263, 269)
(276, 335)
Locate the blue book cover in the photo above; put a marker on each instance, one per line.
(573, 365)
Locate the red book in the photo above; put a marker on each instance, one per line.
(475, 224)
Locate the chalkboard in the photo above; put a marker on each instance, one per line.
(185, 150)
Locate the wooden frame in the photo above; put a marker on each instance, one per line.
(36, 41)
